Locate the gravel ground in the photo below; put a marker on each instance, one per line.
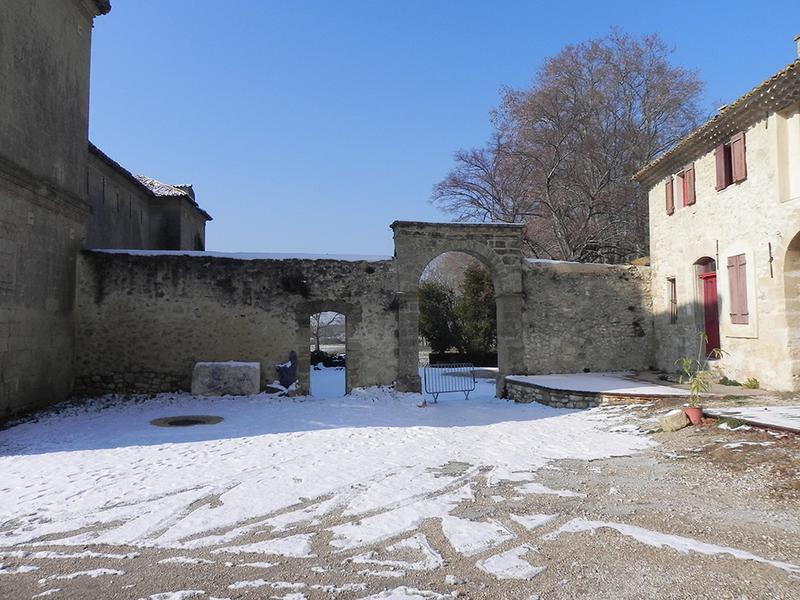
(745, 497)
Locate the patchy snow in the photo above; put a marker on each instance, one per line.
(276, 585)
(780, 417)
(406, 593)
(250, 255)
(65, 555)
(7, 570)
(49, 592)
(736, 445)
(185, 560)
(93, 573)
(532, 521)
(471, 537)
(296, 546)
(257, 565)
(90, 466)
(609, 383)
(683, 545)
(538, 488)
(338, 589)
(510, 564)
(179, 595)
(416, 545)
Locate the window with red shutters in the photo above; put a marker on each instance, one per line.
(737, 284)
(688, 185)
(670, 197)
(738, 159)
(730, 161)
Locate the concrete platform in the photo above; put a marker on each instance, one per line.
(784, 418)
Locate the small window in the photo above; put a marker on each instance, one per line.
(669, 196)
(737, 282)
(672, 294)
(731, 162)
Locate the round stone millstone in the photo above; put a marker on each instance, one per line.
(186, 421)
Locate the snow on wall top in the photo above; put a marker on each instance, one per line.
(250, 255)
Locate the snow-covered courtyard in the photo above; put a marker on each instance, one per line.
(361, 496)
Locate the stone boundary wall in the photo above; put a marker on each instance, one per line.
(144, 320)
(529, 392)
(586, 316)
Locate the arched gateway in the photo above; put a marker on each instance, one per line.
(498, 247)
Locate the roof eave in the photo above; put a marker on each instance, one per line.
(777, 92)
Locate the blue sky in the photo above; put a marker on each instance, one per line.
(311, 126)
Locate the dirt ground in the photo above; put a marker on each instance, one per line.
(691, 485)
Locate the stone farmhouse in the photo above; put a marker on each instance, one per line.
(724, 237)
(105, 287)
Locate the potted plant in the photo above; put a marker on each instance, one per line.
(694, 373)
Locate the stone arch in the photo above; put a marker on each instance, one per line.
(352, 313)
(498, 246)
(791, 290)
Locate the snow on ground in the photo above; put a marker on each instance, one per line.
(472, 537)
(781, 417)
(658, 539)
(510, 564)
(327, 382)
(103, 469)
(611, 383)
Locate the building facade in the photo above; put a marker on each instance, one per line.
(57, 197)
(724, 244)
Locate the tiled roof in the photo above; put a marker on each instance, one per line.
(777, 92)
(161, 189)
(152, 186)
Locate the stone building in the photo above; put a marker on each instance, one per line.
(724, 243)
(138, 212)
(59, 194)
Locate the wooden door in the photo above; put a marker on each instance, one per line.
(710, 310)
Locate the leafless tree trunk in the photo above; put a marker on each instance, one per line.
(319, 322)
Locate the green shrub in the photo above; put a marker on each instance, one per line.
(725, 381)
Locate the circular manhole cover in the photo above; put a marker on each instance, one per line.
(186, 421)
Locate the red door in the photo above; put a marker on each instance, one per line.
(710, 310)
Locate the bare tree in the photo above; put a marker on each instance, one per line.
(321, 321)
(564, 150)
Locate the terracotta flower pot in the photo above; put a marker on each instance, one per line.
(694, 413)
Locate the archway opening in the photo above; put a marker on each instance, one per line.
(706, 281)
(328, 354)
(791, 288)
(457, 313)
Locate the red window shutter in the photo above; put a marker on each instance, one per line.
(670, 198)
(737, 285)
(738, 159)
(719, 161)
(688, 185)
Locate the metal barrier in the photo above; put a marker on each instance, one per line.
(445, 378)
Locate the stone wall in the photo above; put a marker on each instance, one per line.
(120, 205)
(581, 317)
(526, 392)
(144, 320)
(757, 217)
(44, 106)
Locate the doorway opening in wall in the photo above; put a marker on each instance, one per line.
(328, 347)
(706, 272)
(457, 312)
